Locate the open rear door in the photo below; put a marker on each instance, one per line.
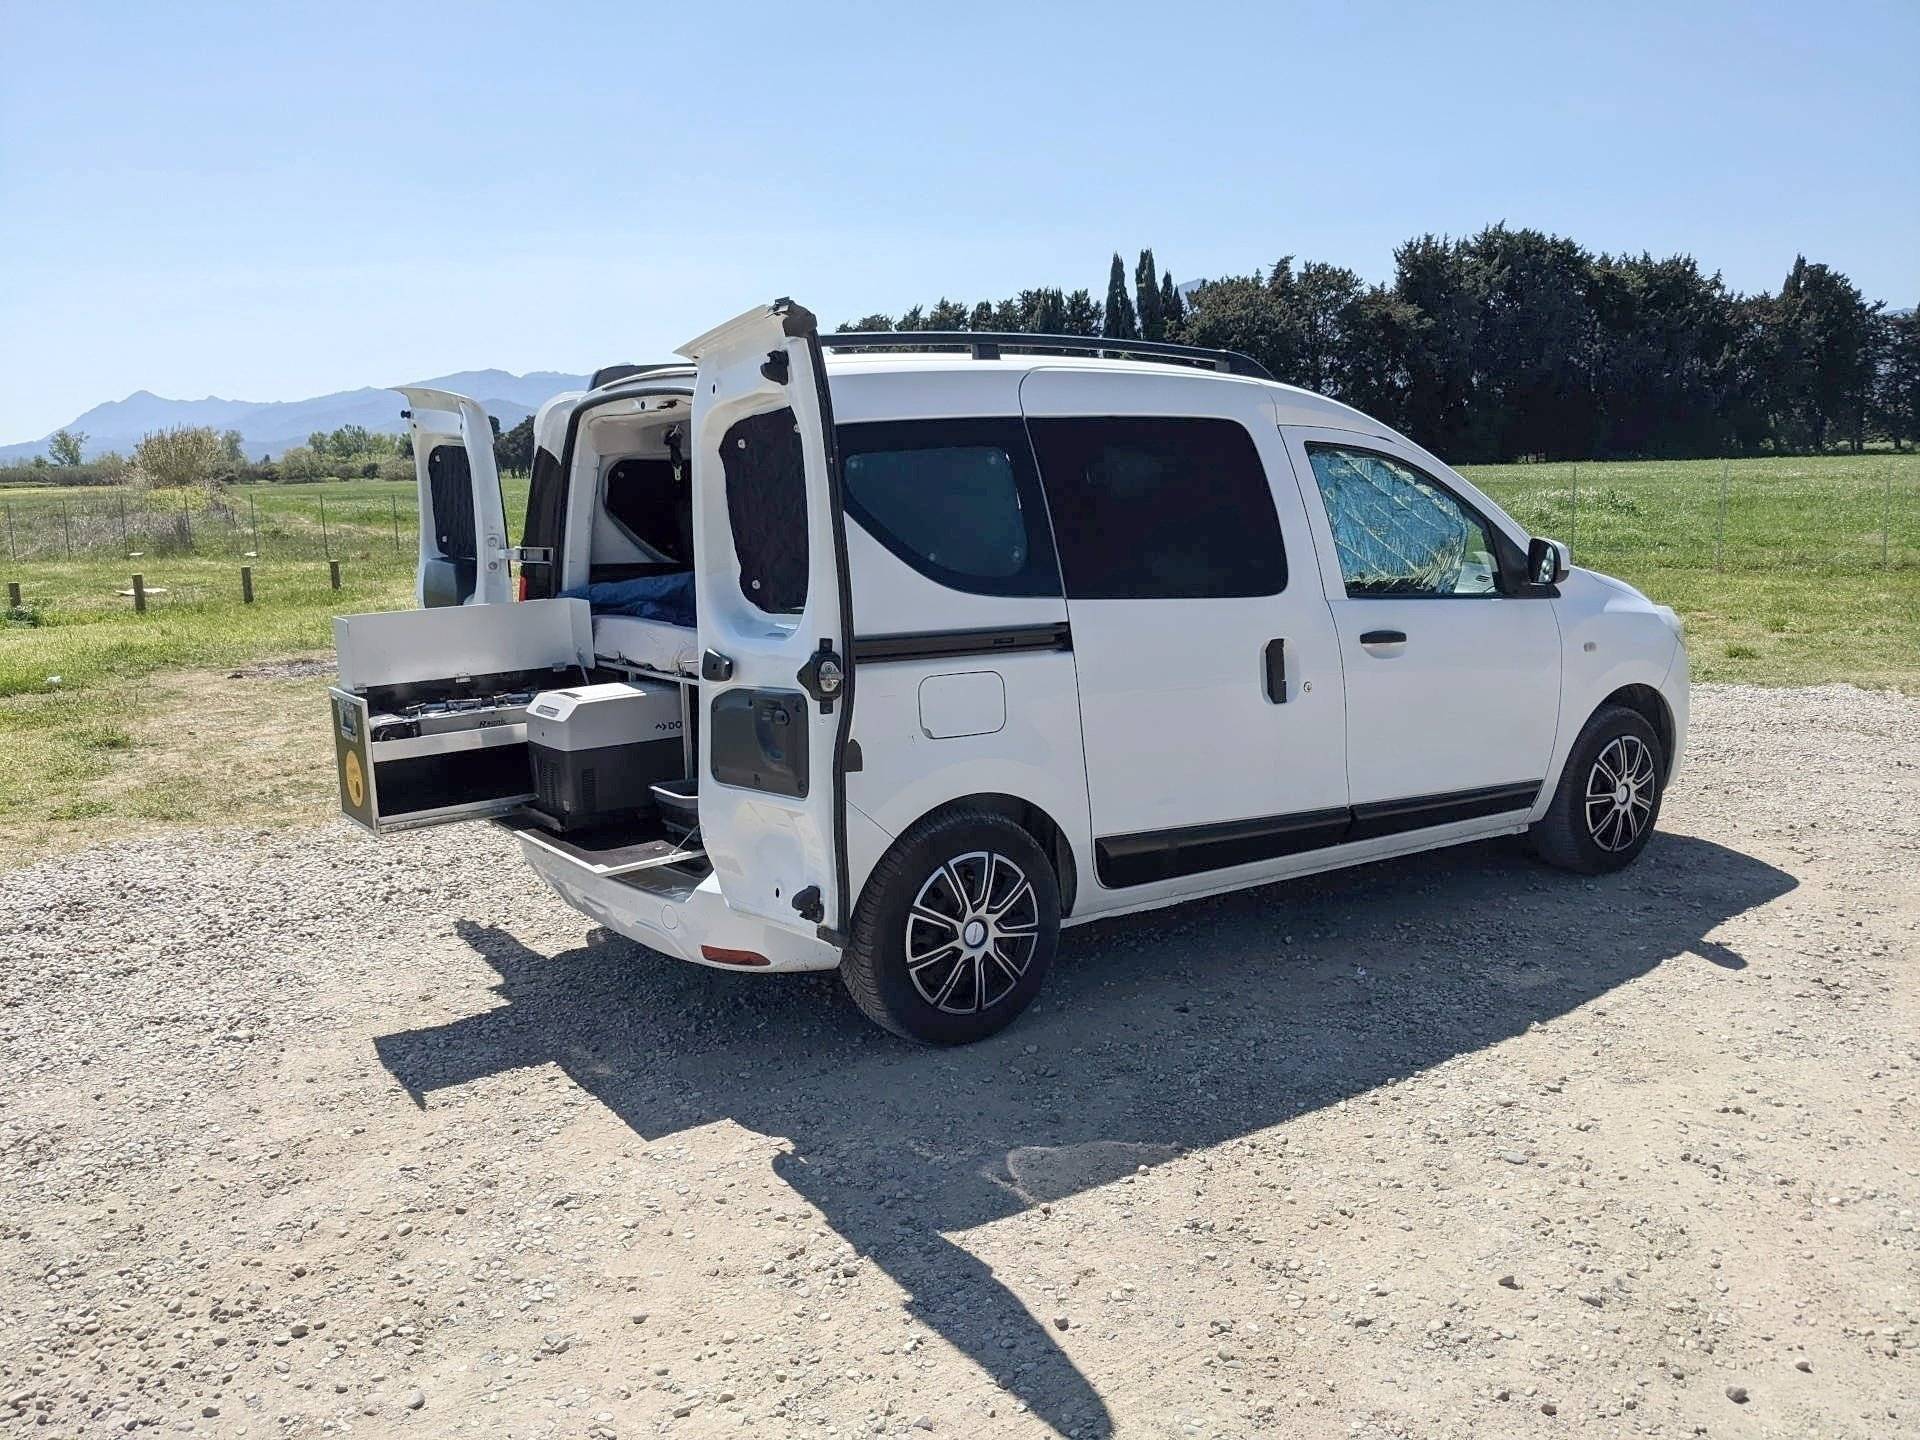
(463, 519)
(770, 576)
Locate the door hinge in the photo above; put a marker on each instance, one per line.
(823, 676)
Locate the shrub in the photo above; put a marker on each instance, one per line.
(184, 455)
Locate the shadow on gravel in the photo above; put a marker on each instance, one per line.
(1156, 1035)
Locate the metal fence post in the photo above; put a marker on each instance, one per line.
(1720, 533)
(394, 501)
(253, 516)
(326, 545)
(123, 520)
(12, 553)
(1886, 517)
(1573, 528)
(66, 529)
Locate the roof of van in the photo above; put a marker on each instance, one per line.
(1296, 406)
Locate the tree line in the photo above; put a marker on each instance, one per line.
(1514, 344)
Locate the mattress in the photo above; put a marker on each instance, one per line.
(646, 644)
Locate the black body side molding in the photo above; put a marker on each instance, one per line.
(1150, 855)
(947, 644)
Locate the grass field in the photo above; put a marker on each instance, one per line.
(144, 726)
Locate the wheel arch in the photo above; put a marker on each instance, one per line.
(1651, 705)
(1034, 819)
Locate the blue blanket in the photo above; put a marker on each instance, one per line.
(651, 597)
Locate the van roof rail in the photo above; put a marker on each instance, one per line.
(607, 374)
(987, 345)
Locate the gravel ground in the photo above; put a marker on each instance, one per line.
(307, 1134)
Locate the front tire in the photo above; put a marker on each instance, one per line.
(1603, 812)
(955, 931)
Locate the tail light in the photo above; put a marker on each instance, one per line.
(721, 956)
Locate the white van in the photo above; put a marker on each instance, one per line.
(893, 653)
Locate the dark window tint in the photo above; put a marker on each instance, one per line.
(450, 482)
(546, 504)
(653, 501)
(1398, 531)
(767, 509)
(956, 499)
(1159, 509)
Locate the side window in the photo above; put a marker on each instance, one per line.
(1159, 509)
(1397, 531)
(651, 500)
(957, 500)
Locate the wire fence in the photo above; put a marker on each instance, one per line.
(237, 523)
(1838, 513)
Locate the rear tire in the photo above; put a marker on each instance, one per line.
(1603, 811)
(955, 931)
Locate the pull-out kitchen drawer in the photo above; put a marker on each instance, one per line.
(429, 718)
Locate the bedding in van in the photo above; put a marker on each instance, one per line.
(650, 597)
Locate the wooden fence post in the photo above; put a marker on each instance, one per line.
(333, 573)
(246, 584)
(13, 594)
(139, 594)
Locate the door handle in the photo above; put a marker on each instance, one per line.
(1274, 671)
(1383, 637)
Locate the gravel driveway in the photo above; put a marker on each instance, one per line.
(307, 1134)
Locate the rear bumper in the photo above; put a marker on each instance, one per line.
(668, 911)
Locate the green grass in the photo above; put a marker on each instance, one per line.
(1783, 585)
(144, 727)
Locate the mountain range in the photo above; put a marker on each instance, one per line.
(271, 427)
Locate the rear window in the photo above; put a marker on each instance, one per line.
(1149, 508)
(958, 500)
(767, 509)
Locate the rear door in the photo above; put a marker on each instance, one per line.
(770, 577)
(1210, 701)
(463, 523)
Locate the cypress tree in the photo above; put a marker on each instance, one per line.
(1146, 285)
(1120, 323)
(1173, 305)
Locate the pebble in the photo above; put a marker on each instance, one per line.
(1737, 1394)
(415, 1399)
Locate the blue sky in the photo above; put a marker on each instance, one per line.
(268, 201)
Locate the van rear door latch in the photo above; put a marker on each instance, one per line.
(823, 676)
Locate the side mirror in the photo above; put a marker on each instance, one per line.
(1548, 562)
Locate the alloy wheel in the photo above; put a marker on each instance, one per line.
(1620, 793)
(971, 932)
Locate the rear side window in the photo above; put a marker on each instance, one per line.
(958, 500)
(1159, 509)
